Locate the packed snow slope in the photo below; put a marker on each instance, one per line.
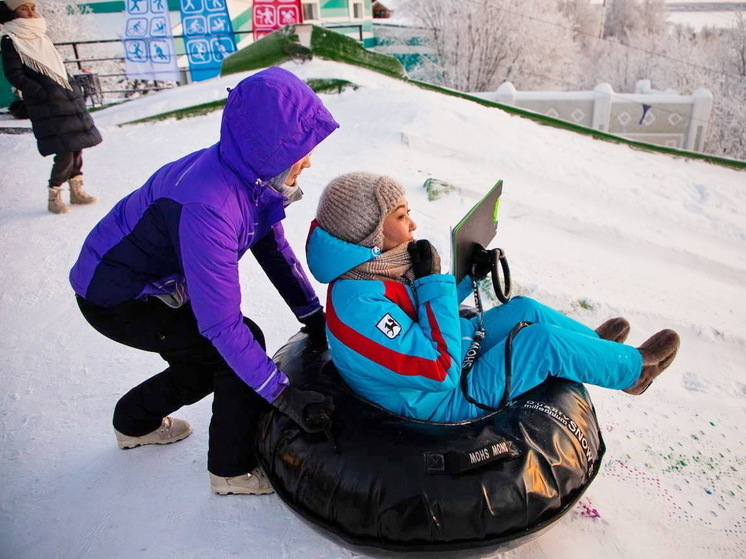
(592, 228)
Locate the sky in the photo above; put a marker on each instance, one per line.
(591, 228)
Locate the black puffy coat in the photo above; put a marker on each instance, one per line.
(58, 115)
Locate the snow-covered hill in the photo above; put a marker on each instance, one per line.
(592, 228)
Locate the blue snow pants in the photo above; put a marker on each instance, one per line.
(553, 346)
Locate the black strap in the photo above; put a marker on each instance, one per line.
(503, 293)
(509, 361)
(476, 345)
(458, 461)
(471, 356)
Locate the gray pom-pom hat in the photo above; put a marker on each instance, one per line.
(354, 205)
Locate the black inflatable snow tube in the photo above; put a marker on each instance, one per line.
(399, 484)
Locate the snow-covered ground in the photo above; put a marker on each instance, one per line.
(592, 228)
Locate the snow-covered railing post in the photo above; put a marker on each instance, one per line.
(701, 107)
(602, 106)
(662, 118)
(505, 94)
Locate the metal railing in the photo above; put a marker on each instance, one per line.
(107, 82)
(116, 82)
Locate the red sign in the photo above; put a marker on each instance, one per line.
(268, 15)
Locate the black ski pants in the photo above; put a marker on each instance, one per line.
(66, 166)
(195, 369)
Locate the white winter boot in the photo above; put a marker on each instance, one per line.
(77, 194)
(55, 203)
(170, 431)
(253, 483)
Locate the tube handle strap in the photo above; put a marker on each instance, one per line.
(471, 356)
(459, 461)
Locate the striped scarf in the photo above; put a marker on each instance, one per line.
(35, 48)
(394, 264)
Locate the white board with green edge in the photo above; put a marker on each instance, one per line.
(479, 225)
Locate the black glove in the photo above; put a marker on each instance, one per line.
(315, 328)
(482, 261)
(425, 259)
(310, 410)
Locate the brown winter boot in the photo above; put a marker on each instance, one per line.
(614, 329)
(55, 203)
(657, 353)
(77, 194)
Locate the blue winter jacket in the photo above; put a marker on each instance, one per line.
(184, 231)
(398, 345)
(402, 346)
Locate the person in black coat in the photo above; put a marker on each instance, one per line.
(55, 103)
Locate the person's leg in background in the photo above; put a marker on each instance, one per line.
(77, 194)
(62, 168)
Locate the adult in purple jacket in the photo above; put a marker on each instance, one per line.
(160, 273)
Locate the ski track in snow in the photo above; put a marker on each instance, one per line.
(591, 228)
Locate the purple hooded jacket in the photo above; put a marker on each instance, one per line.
(184, 231)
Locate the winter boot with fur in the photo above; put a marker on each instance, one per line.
(170, 431)
(253, 483)
(77, 194)
(657, 352)
(54, 202)
(614, 329)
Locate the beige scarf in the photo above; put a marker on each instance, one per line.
(394, 264)
(29, 36)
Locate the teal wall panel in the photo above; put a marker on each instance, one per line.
(6, 93)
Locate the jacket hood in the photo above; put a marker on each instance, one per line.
(271, 120)
(329, 257)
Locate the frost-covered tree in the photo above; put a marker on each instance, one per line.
(678, 58)
(586, 19)
(469, 40)
(736, 44)
(480, 43)
(675, 59)
(539, 45)
(625, 19)
(728, 121)
(66, 21)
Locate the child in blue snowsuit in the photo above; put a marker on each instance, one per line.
(394, 329)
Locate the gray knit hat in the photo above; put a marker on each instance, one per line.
(353, 207)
